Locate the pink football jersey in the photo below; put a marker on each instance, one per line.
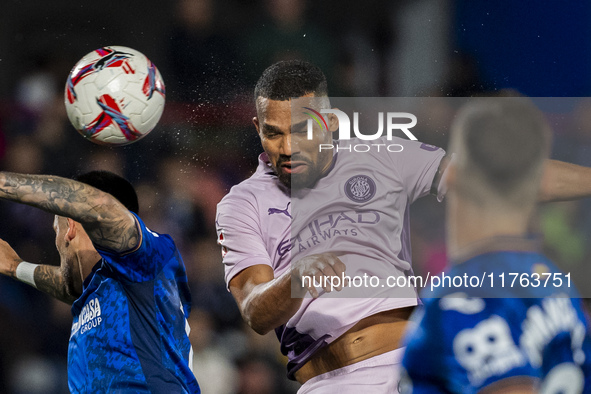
(359, 210)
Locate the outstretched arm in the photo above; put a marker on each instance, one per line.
(107, 222)
(53, 280)
(561, 181)
(564, 181)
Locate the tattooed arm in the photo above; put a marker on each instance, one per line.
(106, 221)
(58, 282)
(54, 281)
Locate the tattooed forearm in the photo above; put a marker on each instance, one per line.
(50, 279)
(108, 223)
(57, 195)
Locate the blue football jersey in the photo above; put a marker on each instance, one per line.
(130, 330)
(531, 332)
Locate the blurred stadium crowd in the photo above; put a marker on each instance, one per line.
(210, 55)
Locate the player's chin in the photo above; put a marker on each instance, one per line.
(285, 179)
(303, 180)
(299, 180)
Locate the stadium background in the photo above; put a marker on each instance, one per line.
(210, 54)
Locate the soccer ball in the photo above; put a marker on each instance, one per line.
(114, 96)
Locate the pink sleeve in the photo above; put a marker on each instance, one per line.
(417, 166)
(239, 235)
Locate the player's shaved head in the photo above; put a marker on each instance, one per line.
(501, 145)
(293, 78)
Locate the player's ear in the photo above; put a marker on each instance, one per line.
(255, 120)
(333, 122)
(72, 230)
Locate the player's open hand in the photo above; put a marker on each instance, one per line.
(9, 260)
(325, 269)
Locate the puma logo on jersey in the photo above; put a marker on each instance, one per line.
(283, 211)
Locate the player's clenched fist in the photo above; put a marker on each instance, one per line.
(9, 260)
(316, 269)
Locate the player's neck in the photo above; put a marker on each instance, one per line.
(87, 260)
(469, 224)
(86, 256)
(329, 164)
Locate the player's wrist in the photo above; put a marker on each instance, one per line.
(25, 272)
(297, 288)
(294, 276)
(8, 268)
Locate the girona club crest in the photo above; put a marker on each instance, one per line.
(360, 188)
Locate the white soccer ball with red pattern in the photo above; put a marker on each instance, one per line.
(114, 96)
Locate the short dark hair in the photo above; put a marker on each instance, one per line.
(291, 78)
(113, 184)
(505, 139)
